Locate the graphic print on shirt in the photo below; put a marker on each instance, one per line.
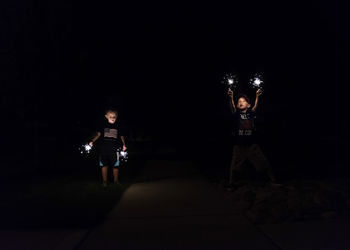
(245, 125)
(110, 133)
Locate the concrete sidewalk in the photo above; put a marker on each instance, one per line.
(173, 207)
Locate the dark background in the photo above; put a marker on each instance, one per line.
(161, 65)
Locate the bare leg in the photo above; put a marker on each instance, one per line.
(115, 174)
(104, 170)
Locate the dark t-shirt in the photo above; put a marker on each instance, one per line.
(110, 135)
(244, 130)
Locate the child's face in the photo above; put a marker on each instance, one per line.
(242, 103)
(111, 117)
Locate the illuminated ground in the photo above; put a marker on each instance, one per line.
(171, 205)
(174, 207)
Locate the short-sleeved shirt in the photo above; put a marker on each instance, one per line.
(110, 135)
(244, 127)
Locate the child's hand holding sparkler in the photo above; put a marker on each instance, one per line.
(230, 93)
(91, 143)
(258, 92)
(124, 148)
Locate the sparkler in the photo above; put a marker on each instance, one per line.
(123, 155)
(257, 81)
(231, 80)
(85, 149)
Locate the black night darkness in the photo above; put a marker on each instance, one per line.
(160, 64)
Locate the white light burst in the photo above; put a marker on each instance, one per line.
(231, 80)
(257, 81)
(123, 155)
(86, 148)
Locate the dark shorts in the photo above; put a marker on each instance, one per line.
(110, 159)
(251, 153)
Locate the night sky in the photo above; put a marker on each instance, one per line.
(161, 65)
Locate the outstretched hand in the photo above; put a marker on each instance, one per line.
(230, 93)
(259, 92)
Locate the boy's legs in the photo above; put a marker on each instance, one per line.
(238, 158)
(115, 167)
(109, 158)
(260, 162)
(115, 174)
(104, 170)
(104, 163)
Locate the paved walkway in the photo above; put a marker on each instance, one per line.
(173, 207)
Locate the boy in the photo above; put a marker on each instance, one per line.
(111, 136)
(246, 147)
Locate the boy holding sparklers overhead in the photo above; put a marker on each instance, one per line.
(112, 138)
(246, 147)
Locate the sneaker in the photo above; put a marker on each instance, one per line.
(104, 184)
(117, 183)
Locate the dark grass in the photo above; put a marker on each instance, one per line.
(67, 197)
(75, 201)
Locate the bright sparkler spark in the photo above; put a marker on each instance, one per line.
(86, 148)
(231, 80)
(257, 81)
(123, 156)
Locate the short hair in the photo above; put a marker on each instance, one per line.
(111, 109)
(245, 97)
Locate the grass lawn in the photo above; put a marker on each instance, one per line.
(74, 201)
(69, 199)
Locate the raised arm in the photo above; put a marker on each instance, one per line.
(232, 101)
(258, 93)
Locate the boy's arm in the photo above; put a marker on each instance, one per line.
(232, 102)
(98, 134)
(258, 93)
(123, 141)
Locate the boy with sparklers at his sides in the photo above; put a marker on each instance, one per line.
(112, 138)
(246, 147)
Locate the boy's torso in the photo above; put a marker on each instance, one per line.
(244, 128)
(110, 135)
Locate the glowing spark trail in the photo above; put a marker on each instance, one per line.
(86, 148)
(231, 80)
(123, 156)
(257, 81)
